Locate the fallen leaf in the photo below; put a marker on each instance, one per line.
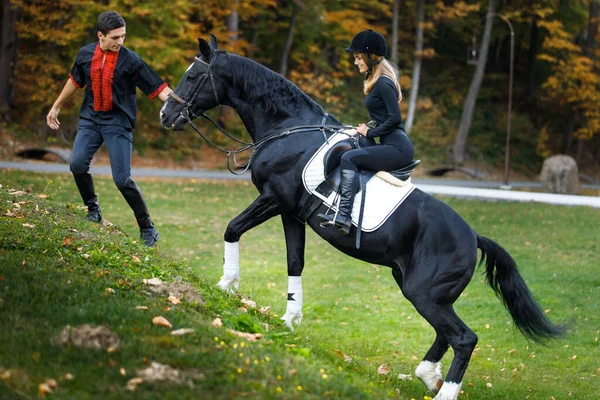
(122, 371)
(5, 375)
(488, 385)
(265, 310)
(44, 389)
(52, 383)
(383, 369)
(217, 323)
(161, 321)
(109, 290)
(343, 356)
(133, 383)
(182, 331)
(141, 307)
(43, 196)
(249, 303)
(251, 337)
(68, 241)
(405, 377)
(136, 260)
(174, 300)
(68, 377)
(28, 226)
(153, 282)
(16, 192)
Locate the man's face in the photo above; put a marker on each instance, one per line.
(113, 40)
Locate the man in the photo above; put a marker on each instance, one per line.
(110, 73)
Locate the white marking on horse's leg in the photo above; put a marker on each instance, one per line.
(293, 312)
(431, 375)
(449, 391)
(231, 267)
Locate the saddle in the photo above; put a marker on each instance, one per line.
(331, 163)
(332, 173)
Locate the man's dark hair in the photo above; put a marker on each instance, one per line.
(109, 20)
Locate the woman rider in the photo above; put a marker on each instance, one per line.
(383, 96)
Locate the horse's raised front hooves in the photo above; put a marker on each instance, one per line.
(292, 318)
(226, 283)
(431, 375)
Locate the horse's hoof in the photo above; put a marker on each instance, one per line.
(431, 375)
(449, 391)
(292, 318)
(226, 283)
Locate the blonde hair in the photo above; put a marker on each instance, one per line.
(384, 68)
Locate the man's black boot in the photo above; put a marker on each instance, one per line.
(343, 219)
(85, 185)
(133, 195)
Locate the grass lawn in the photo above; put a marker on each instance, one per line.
(350, 307)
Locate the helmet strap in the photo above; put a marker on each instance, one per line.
(370, 64)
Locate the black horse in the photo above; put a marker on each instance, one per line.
(430, 249)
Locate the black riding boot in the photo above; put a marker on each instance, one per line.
(133, 195)
(343, 219)
(85, 184)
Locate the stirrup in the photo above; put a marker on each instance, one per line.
(327, 222)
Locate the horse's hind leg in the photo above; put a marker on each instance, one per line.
(433, 300)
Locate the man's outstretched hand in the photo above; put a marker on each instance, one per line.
(52, 118)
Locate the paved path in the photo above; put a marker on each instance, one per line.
(482, 190)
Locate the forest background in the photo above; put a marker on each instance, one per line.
(456, 111)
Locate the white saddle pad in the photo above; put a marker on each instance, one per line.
(382, 197)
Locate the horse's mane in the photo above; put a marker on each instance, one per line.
(269, 90)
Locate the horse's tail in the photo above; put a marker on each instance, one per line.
(502, 275)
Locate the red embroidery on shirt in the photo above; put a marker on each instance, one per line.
(102, 78)
(74, 82)
(157, 91)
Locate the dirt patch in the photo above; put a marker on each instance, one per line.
(183, 291)
(88, 336)
(160, 373)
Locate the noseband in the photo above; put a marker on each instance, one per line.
(185, 112)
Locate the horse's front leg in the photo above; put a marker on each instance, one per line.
(263, 208)
(295, 236)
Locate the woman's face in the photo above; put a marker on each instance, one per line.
(360, 63)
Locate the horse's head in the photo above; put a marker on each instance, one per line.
(198, 90)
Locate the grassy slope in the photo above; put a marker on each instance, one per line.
(349, 305)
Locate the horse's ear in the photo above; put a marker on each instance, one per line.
(213, 42)
(205, 49)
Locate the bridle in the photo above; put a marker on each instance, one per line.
(187, 114)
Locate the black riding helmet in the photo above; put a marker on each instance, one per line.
(369, 42)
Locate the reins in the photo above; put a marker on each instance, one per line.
(232, 154)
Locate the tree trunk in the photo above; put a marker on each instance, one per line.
(283, 66)
(458, 151)
(532, 57)
(8, 56)
(395, 14)
(416, 76)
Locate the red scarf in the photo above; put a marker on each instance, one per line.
(102, 78)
